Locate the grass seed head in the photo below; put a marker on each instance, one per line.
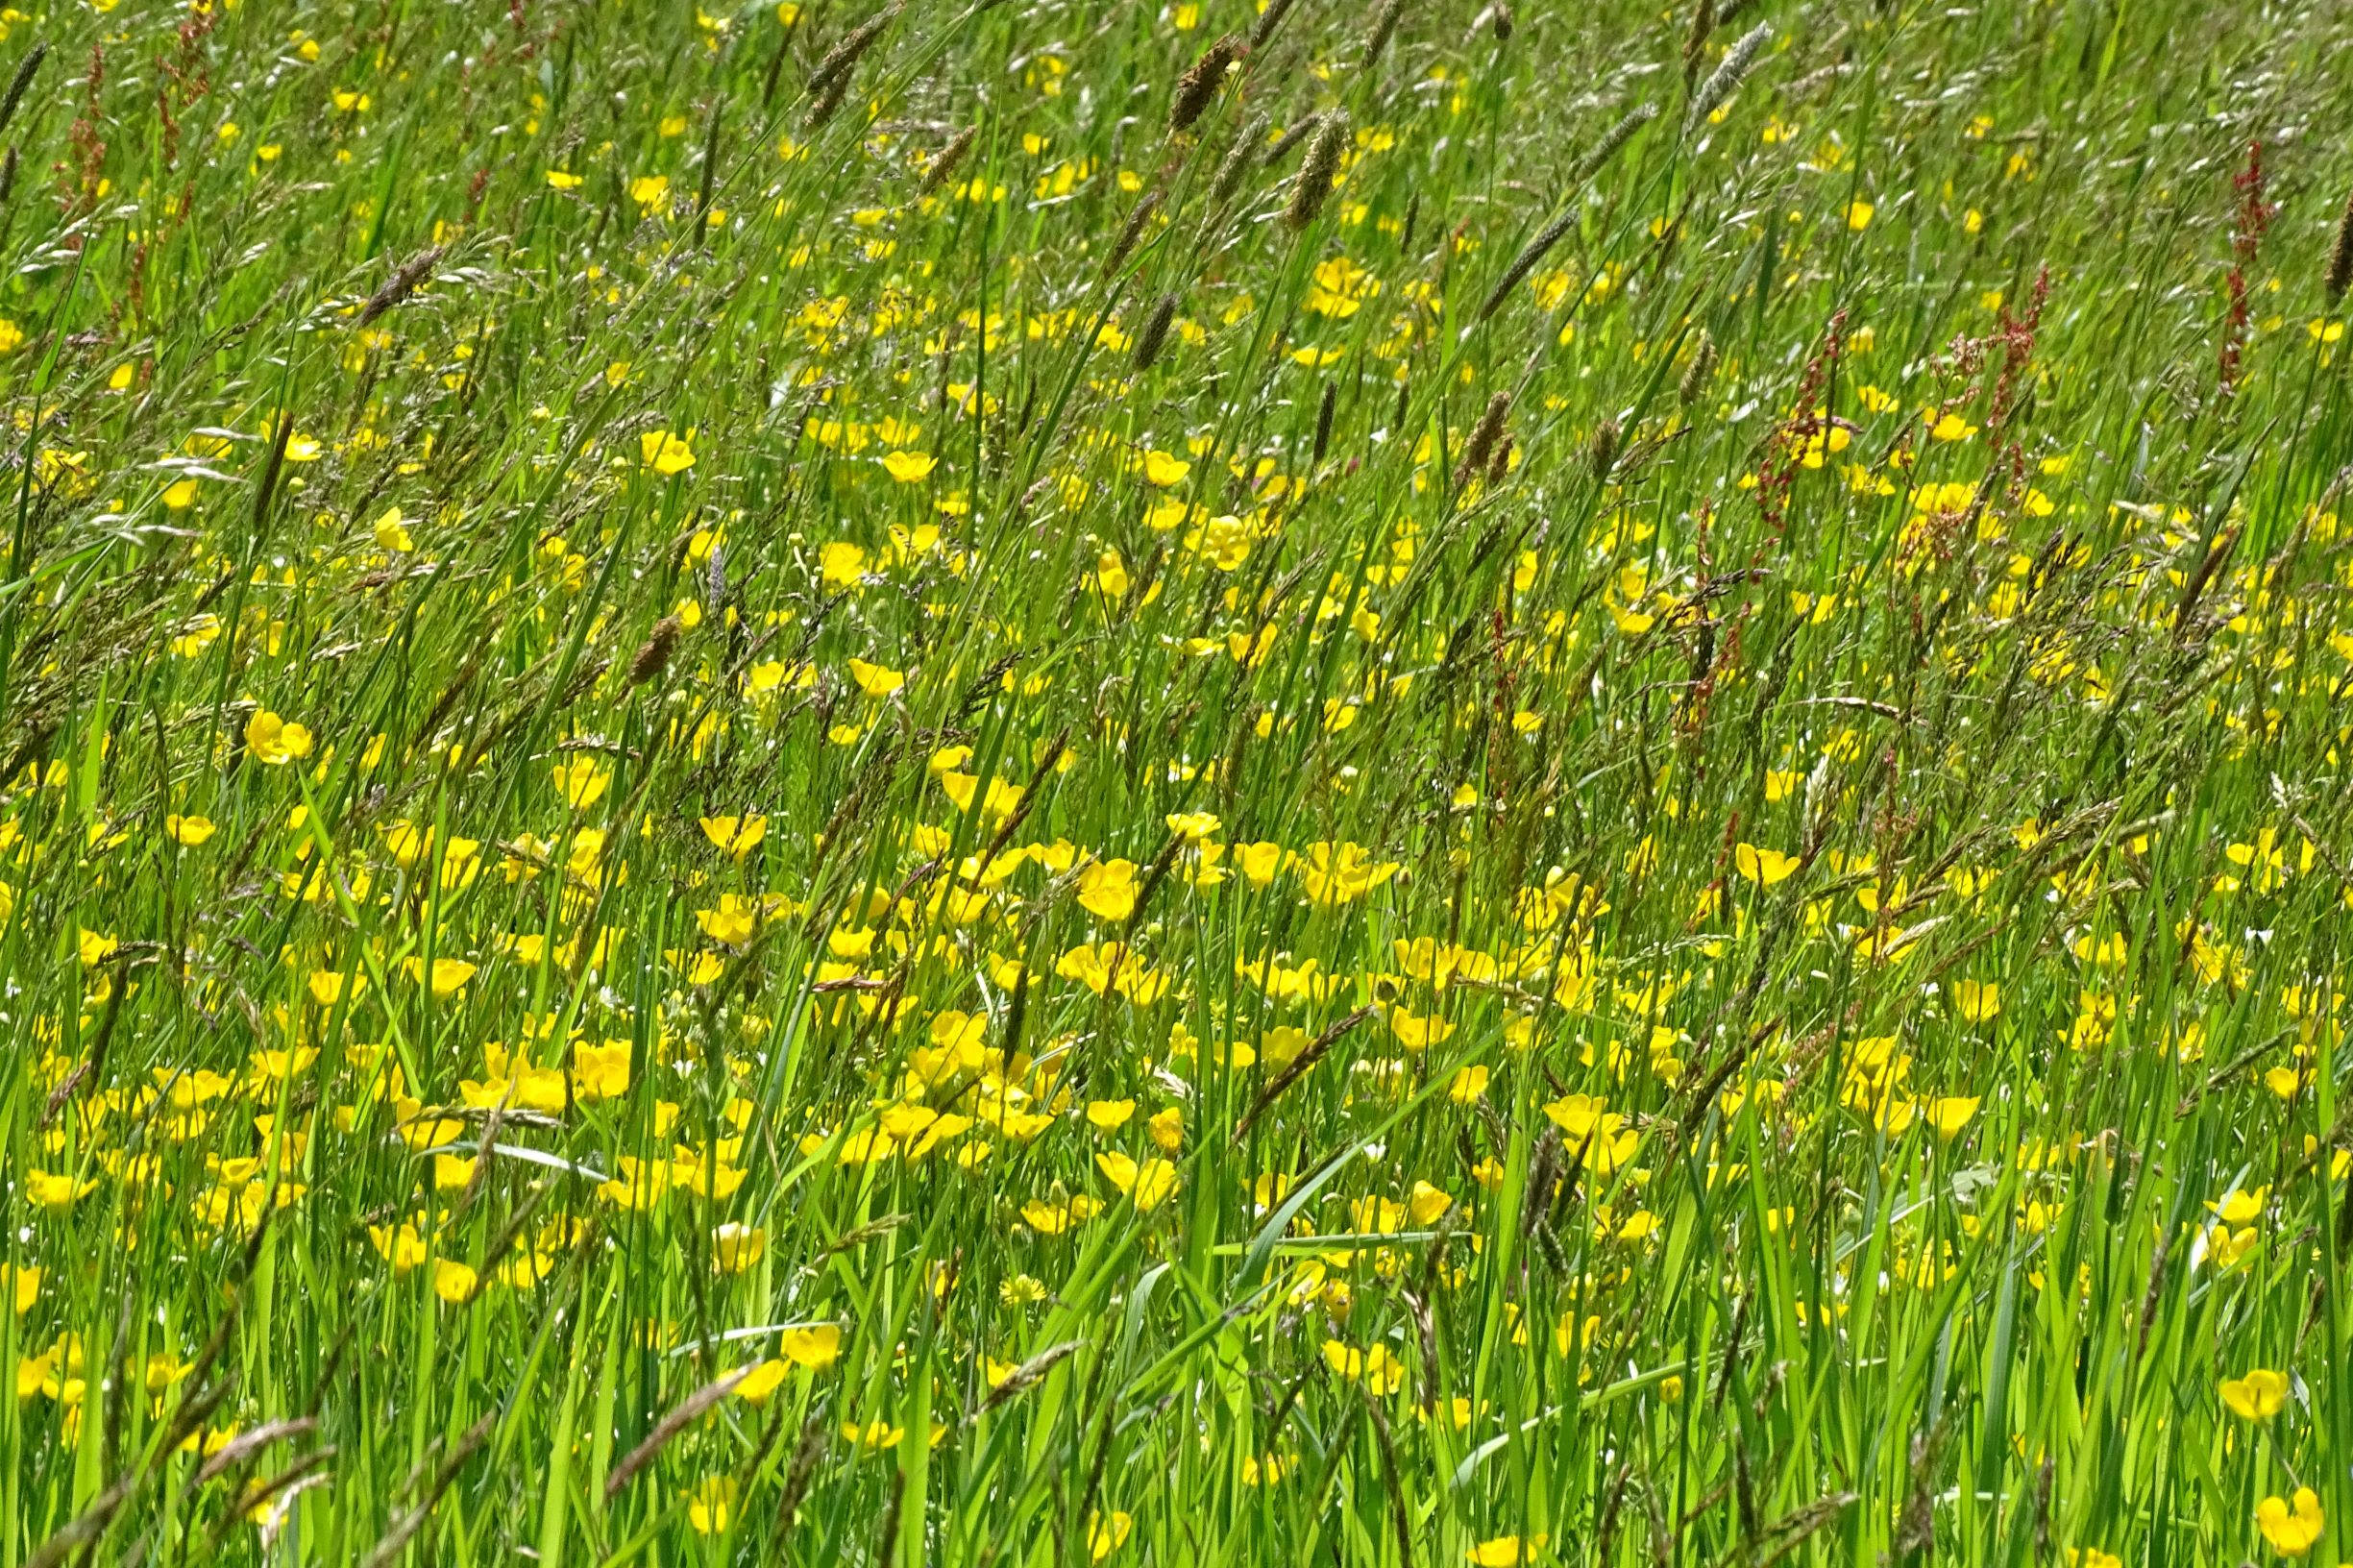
(1131, 231)
(1317, 170)
(1612, 142)
(1726, 78)
(829, 83)
(1235, 168)
(1485, 433)
(2341, 254)
(22, 80)
(1290, 139)
(1699, 372)
(1384, 28)
(844, 56)
(1155, 334)
(1695, 45)
(403, 283)
(945, 161)
(653, 656)
(1197, 88)
(1268, 21)
(828, 99)
(1608, 436)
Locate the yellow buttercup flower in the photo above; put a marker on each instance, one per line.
(1948, 1115)
(1108, 889)
(2291, 1525)
(711, 1505)
(2256, 1396)
(273, 741)
(55, 1190)
(665, 453)
(452, 1281)
(447, 976)
(188, 831)
(1259, 862)
(875, 680)
(736, 836)
(909, 467)
(1379, 1368)
(734, 1246)
(582, 783)
(816, 1346)
(763, 1380)
(1110, 574)
(1163, 470)
(1147, 1185)
(1587, 1124)
(1977, 1001)
(1764, 867)
(1106, 1536)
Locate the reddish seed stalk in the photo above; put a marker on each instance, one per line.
(2246, 242)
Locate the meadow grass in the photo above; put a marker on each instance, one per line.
(1062, 783)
